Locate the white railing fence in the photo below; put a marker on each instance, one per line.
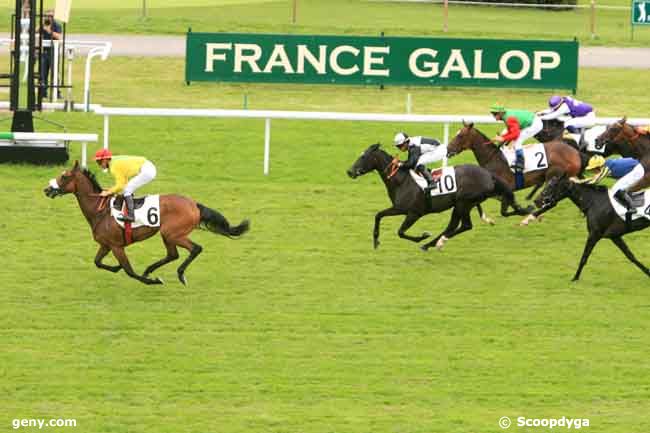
(268, 115)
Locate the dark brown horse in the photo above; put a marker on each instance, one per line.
(179, 216)
(474, 185)
(602, 220)
(562, 159)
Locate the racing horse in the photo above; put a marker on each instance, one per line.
(623, 134)
(562, 159)
(622, 138)
(602, 220)
(179, 216)
(474, 185)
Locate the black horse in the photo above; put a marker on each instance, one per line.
(602, 220)
(474, 185)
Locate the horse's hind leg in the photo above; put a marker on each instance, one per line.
(172, 254)
(194, 249)
(410, 219)
(453, 223)
(121, 257)
(620, 243)
(465, 225)
(101, 253)
(484, 216)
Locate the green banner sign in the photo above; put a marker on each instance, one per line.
(381, 60)
(640, 12)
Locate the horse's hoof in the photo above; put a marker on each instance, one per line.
(489, 221)
(182, 279)
(424, 248)
(375, 244)
(426, 235)
(159, 281)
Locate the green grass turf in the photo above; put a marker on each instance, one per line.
(300, 326)
(351, 17)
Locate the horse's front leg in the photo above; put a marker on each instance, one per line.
(121, 257)
(410, 219)
(101, 253)
(391, 211)
(534, 190)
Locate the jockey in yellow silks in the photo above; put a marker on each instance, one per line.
(130, 173)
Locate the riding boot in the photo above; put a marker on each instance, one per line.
(426, 174)
(128, 201)
(624, 198)
(519, 160)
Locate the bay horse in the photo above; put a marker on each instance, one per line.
(562, 159)
(602, 220)
(624, 139)
(626, 136)
(474, 185)
(179, 216)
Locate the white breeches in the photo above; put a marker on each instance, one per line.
(529, 132)
(627, 181)
(433, 156)
(588, 121)
(146, 175)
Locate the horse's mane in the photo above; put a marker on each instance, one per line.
(92, 178)
(496, 148)
(593, 195)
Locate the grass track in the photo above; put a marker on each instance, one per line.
(357, 17)
(301, 326)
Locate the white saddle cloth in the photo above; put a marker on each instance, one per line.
(534, 157)
(445, 184)
(642, 205)
(147, 215)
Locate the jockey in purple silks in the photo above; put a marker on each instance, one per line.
(582, 115)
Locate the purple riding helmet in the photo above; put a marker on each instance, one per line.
(554, 101)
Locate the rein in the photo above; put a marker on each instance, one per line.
(392, 167)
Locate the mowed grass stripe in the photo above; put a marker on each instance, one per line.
(301, 325)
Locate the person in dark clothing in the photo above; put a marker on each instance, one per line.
(50, 31)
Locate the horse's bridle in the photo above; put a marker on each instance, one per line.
(621, 133)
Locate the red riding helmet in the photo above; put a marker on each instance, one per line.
(103, 154)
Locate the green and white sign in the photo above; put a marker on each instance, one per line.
(640, 12)
(381, 60)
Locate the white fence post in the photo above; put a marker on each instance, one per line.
(84, 150)
(446, 141)
(105, 131)
(267, 145)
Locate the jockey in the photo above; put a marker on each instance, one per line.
(582, 115)
(130, 173)
(521, 124)
(421, 151)
(601, 167)
(628, 171)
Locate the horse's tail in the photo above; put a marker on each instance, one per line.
(213, 221)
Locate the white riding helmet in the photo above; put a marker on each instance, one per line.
(400, 138)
